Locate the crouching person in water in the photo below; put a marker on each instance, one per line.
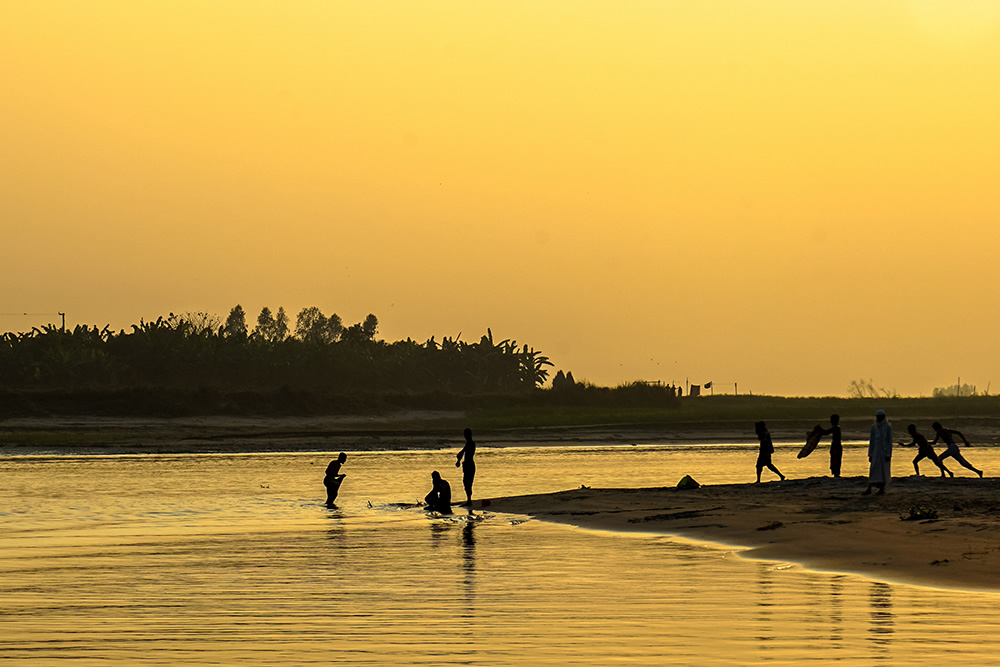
(766, 449)
(439, 499)
(334, 479)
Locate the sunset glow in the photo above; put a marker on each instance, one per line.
(784, 195)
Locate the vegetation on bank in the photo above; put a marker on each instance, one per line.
(195, 364)
(738, 412)
(196, 352)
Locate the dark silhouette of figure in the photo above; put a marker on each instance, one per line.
(766, 449)
(924, 451)
(879, 454)
(947, 436)
(439, 498)
(334, 479)
(836, 447)
(468, 466)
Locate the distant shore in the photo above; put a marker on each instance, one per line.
(924, 530)
(404, 429)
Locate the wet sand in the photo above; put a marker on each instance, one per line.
(820, 523)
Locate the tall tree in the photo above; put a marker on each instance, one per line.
(280, 325)
(370, 327)
(312, 326)
(236, 324)
(265, 325)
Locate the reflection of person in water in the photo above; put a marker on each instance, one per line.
(947, 436)
(836, 447)
(468, 466)
(439, 499)
(766, 449)
(333, 478)
(925, 450)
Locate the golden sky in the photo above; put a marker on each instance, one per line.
(787, 195)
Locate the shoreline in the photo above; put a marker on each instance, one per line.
(402, 430)
(819, 523)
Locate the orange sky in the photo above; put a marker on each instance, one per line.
(786, 195)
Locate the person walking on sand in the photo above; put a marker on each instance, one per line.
(836, 446)
(334, 479)
(924, 451)
(879, 453)
(468, 466)
(766, 449)
(947, 435)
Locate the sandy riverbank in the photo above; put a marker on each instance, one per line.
(822, 523)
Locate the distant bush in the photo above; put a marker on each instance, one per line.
(955, 390)
(867, 389)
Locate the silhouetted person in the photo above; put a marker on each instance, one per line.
(925, 450)
(836, 447)
(439, 499)
(766, 449)
(333, 479)
(468, 466)
(947, 436)
(879, 453)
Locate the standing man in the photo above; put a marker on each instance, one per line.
(836, 447)
(468, 466)
(879, 453)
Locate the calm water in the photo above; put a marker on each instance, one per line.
(224, 559)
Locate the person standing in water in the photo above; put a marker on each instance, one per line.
(924, 451)
(879, 454)
(333, 478)
(468, 466)
(947, 436)
(836, 447)
(766, 449)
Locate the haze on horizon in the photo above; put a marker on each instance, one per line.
(785, 195)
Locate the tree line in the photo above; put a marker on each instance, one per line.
(199, 350)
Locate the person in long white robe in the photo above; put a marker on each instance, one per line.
(879, 453)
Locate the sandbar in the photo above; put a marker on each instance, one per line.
(925, 530)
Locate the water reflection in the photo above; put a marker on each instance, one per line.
(469, 564)
(763, 617)
(837, 610)
(215, 570)
(880, 628)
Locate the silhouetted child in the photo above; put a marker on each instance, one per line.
(836, 447)
(334, 479)
(924, 451)
(468, 466)
(766, 449)
(947, 435)
(439, 498)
